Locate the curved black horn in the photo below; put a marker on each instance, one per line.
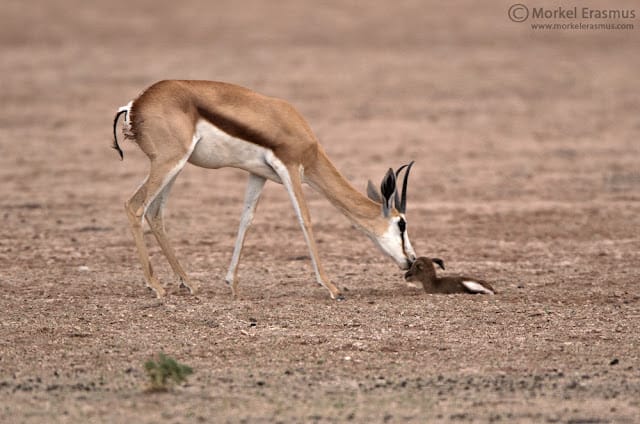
(396, 200)
(402, 207)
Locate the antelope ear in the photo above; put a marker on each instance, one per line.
(388, 189)
(438, 261)
(373, 193)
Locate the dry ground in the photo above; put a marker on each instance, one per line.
(526, 147)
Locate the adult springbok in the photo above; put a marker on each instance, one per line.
(215, 124)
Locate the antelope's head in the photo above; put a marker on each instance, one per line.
(392, 236)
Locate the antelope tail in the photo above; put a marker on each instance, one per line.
(123, 110)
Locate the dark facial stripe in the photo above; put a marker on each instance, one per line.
(402, 224)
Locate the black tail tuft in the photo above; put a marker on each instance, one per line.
(115, 136)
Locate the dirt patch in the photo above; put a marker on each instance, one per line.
(526, 175)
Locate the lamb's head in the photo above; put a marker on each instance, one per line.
(423, 269)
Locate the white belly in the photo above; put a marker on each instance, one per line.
(216, 149)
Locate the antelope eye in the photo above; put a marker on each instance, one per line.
(402, 225)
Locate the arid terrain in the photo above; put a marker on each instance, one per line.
(527, 150)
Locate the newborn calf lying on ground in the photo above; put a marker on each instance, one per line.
(424, 271)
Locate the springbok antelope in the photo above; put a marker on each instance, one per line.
(215, 124)
(424, 270)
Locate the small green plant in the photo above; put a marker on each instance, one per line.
(166, 371)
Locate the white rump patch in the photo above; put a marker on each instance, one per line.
(476, 287)
(127, 118)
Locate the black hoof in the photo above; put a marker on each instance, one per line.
(340, 298)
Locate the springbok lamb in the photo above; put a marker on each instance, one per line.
(424, 271)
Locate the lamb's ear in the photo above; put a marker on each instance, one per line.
(388, 189)
(373, 193)
(438, 261)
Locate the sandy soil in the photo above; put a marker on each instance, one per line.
(526, 149)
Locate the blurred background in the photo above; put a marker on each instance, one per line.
(527, 148)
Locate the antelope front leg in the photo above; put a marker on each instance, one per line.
(251, 197)
(290, 178)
